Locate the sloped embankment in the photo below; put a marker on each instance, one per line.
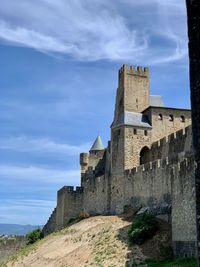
(98, 241)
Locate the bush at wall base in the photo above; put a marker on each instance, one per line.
(144, 227)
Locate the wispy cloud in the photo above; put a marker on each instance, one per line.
(30, 174)
(94, 30)
(31, 38)
(24, 202)
(26, 211)
(29, 190)
(41, 145)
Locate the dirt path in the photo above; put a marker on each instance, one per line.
(99, 241)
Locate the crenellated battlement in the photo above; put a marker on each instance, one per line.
(162, 163)
(172, 145)
(182, 133)
(141, 71)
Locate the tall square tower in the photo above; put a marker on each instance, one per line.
(130, 128)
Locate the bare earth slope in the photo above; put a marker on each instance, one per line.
(97, 241)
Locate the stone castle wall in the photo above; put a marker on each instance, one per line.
(69, 205)
(96, 194)
(184, 208)
(173, 145)
(161, 123)
(150, 184)
(50, 226)
(146, 185)
(164, 182)
(166, 179)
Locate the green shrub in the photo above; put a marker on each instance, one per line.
(34, 236)
(143, 227)
(72, 220)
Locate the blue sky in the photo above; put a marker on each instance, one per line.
(59, 64)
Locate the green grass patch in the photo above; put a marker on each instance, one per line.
(172, 263)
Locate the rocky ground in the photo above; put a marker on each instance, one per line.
(97, 241)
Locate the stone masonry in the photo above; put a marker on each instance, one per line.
(149, 162)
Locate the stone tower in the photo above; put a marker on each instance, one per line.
(130, 126)
(133, 90)
(91, 159)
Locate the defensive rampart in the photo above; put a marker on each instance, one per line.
(167, 179)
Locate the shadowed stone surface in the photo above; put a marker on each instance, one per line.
(193, 10)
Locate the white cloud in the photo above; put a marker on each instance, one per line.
(34, 174)
(31, 38)
(17, 203)
(42, 146)
(94, 30)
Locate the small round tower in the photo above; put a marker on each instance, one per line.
(97, 146)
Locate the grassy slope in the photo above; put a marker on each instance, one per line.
(95, 242)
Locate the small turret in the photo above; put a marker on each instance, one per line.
(97, 146)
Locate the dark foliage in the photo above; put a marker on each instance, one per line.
(143, 227)
(34, 236)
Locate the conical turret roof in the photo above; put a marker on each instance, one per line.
(98, 145)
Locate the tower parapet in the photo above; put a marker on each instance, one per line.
(139, 70)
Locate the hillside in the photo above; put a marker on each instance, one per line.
(97, 241)
(16, 229)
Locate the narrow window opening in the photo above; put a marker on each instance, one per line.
(145, 132)
(182, 118)
(171, 117)
(160, 117)
(135, 131)
(145, 155)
